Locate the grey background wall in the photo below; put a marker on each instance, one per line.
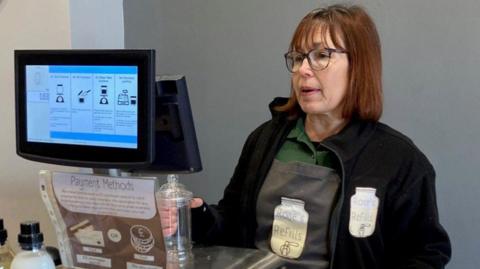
(231, 53)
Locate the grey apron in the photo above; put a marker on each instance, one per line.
(317, 187)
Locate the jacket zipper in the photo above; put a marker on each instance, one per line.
(335, 219)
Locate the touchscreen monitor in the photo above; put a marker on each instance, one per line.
(92, 108)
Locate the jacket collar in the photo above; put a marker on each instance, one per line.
(278, 101)
(351, 139)
(347, 143)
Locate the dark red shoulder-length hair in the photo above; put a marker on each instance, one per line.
(353, 26)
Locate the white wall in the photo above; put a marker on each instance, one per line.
(97, 24)
(46, 24)
(24, 24)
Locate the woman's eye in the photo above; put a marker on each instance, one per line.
(298, 58)
(318, 55)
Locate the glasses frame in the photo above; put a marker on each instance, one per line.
(307, 55)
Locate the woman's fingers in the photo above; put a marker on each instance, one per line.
(168, 218)
(196, 202)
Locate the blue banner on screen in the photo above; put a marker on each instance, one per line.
(82, 105)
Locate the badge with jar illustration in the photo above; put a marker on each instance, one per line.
(289, 229)
(363, 212)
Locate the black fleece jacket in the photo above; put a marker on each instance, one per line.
(407, 231)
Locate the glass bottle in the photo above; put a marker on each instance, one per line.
(33, 255)
(6, 253)
(174, 204)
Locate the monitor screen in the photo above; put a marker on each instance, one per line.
(93, 105)
(92, 108)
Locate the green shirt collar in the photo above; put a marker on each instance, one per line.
(298, 133)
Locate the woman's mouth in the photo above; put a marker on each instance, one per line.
(307, 91)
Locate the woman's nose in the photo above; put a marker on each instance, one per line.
(305, 69)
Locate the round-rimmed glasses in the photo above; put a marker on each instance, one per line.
(318, 58)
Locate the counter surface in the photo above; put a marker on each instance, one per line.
(218, 257)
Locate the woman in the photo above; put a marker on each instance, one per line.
(323, 183)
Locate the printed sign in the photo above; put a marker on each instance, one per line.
(104, 222)
(102, 195)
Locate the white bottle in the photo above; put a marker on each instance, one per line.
(32, 256)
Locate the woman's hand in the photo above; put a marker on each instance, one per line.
(196, 202)
(168, 216)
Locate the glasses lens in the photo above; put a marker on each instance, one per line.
(294, 60)
(319, 58)
(289, 61)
